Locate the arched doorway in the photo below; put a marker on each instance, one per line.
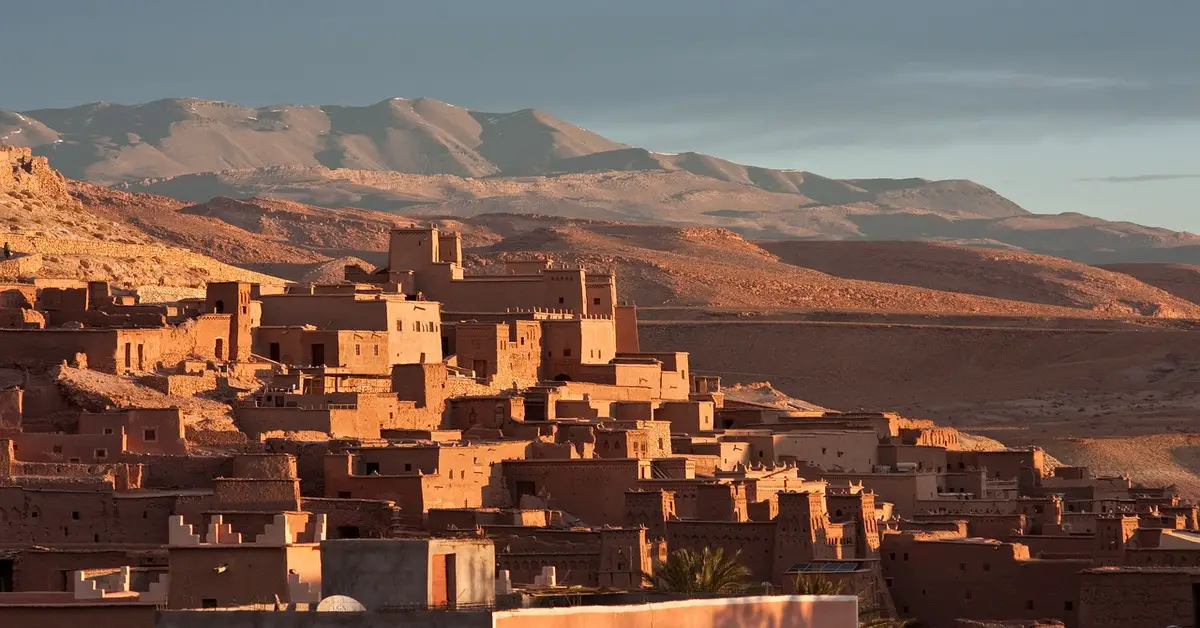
(562, 377)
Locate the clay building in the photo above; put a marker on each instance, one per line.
(942, 579)
(412, 328)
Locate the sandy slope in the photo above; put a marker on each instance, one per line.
(988, 272)
(1181, 280)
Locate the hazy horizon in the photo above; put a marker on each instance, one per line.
(1065, 106)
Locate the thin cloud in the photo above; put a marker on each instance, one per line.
(1141, 178)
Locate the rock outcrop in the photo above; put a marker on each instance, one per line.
(22, 173)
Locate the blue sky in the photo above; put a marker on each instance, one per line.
(1061, 105)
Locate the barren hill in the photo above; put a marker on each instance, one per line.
(914, 209)
(1181, 280)
(426, 157)
(55, 235)
(658, 265)
(991, 272)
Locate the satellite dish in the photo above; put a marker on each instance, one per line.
(341, 604)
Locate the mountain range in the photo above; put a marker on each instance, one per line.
(424, 157)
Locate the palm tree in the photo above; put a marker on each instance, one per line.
(813, 584)
(706, 571)
(869, 616)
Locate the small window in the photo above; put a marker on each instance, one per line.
(372, 468)
(408, 466)
(208, 602)
(108, 430)
(73, 460)
(962, 566)
(150, 435)
(1068, 606)
(892, 556)
(57, 449)
(596, 301)
(399, 325)
(101, 454)
(357, 349)
(905, 555)
(567, 353)
(1028, 605)
(343, 494)
(562, 300)
(75, 515)
(375, 348)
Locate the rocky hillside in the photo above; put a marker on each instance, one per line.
(55, 235)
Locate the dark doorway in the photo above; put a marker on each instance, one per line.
(562, 377)
(535, 410)
(141, 357)
(525, 487)
(348, 532)
(273, 351)
(219, 350)
(318, 354)
(128, 355)
(219, 307)
(6, 576)
(1196, 604)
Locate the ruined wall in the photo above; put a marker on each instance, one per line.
(20, 265)
(354, 518)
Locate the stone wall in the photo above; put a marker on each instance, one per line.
(20, 265)
(1136, 598)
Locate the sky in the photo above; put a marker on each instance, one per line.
(1088, 106)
